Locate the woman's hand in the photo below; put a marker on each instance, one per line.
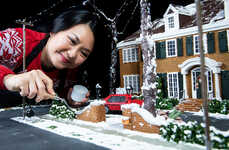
(75, 104)
(31, 84)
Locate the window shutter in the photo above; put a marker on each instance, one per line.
(164, 84)
(211, 42)
(158, 47)
(163, 50)
(222, 36)
(181, 88)
(179, 47)
(189, 46)
(225, 83)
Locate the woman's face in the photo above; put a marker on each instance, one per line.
(69, 48)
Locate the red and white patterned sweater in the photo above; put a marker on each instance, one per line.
(11, 54)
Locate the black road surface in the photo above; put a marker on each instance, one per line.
(18, 136)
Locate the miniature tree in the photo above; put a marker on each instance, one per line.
(149, 64)
(203, 77)
(111, 23)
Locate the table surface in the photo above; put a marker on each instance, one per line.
(19, 136)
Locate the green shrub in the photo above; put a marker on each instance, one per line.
(216, 106)
(192, 132)
(166, 103)
(59, 110)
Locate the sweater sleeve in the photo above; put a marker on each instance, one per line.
(10, 52)
(3, 72)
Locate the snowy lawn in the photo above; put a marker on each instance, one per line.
(110, 134)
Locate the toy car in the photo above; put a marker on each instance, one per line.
(113, 102)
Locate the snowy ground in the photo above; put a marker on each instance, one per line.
(110, 134)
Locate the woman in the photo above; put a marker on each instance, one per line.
(52, 57)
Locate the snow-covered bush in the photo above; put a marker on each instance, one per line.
(216, 106)
(166, 103)
(193, 132)
(160, 93)
(59, 110)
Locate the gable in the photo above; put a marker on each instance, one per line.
(170, 11)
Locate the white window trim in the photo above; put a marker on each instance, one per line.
(194, 45)
(167, 48)
(194, 94)
(137, 90)
(175, 15)
(205, 46)
(228, 39)
(205, 43)
(171, 25)
(168, 87)
(211, 75)
(125, 57)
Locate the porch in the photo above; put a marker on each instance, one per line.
(190, 104)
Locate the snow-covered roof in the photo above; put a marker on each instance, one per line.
(212, 12)
(188, 10)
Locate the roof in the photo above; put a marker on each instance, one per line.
(212, 11)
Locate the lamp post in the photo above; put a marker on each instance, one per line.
(129, 89)
(98, 89)
(29, 112)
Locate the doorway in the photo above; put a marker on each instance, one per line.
(196, 82)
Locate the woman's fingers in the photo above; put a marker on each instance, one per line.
(69, 94)
(48, 83)
(42, 86)
(88, 94)
(31, 84)
(24, 90)
(32, 90)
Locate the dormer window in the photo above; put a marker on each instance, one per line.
(171, 22)
(175, 16)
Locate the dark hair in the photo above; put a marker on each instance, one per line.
(68, 19)
(73, 17)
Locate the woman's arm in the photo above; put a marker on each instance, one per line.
(32, 83)
(4, 71)
(10, 52)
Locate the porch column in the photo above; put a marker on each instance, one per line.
(185, 86)
(217, 87)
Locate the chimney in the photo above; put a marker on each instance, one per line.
(226, 9)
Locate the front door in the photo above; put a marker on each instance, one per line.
(196, 83)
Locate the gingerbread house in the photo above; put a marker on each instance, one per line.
(95, 112)
(139, 119)
(176, 43)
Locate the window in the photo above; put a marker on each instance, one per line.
(171, 22)
(209, 81)
(196, 44)
(133, 81)
(171, 48)
(116, 99)
(173, 85)
(130, 55)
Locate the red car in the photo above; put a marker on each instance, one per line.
(113, 102)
